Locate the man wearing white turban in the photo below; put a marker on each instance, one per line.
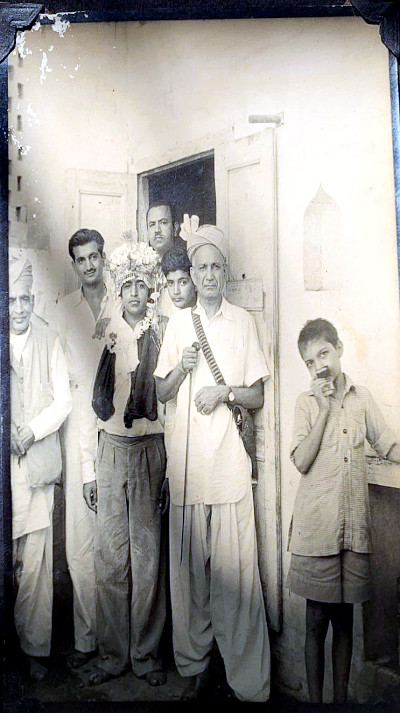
(40, 402)
(215, 582)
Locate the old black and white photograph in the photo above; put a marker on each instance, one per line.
(200, 356)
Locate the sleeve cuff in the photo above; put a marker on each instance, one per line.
(88, 473)
(255, 375)
(385, 442)
(36, 430)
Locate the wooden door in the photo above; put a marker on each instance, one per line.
(245, 171)
(103, 201)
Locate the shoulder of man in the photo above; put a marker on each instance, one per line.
(42, 330)
(72, 299)
(238, 312)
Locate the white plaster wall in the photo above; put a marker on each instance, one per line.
(142, 89)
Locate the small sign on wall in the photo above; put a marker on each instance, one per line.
(246, 293)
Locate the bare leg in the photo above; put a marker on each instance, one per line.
(317, 622)
(342, 649)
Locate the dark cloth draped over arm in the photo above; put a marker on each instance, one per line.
(142, 402)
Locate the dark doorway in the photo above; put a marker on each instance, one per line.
(190, 186)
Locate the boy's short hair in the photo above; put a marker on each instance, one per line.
(175, 259)
(84, 236)
(157, 204)
(317, 329)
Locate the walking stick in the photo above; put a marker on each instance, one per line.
(196, 346)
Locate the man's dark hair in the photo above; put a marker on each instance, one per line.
(175, 259)
(157, 204)
(84, 236)
(317, 329)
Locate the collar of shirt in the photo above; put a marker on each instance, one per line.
(225, 310)
(348, 386)
(18, 342)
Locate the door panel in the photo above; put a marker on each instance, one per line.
(246, 211)
(103, 201)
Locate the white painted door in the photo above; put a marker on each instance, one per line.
(245, 174)
(102, 201)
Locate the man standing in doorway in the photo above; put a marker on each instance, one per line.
(79, 314)
(162, 229)
(215, 582)
(40, 401)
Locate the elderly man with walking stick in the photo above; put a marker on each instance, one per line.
(215, 582)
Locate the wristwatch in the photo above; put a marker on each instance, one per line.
(231, 396)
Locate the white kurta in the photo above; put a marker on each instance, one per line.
(219, 469)
(216, 590)
(32, 517)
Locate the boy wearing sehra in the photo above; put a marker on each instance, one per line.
(330, 537)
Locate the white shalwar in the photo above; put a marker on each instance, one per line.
(32, 508)
(216, 591)
(76, 325)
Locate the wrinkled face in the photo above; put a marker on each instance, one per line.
(160, 229)
(181, 289)
(20, 303)
(134, 296)
(320, 353)
(208, 272)
(88, 264)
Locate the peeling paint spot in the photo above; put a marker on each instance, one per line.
(71, 76)
(20, 48)
(51, 48)
(60, 26)
(15, 140)
(44, 68)
(37, 199)
(32, 116)
(77, 67)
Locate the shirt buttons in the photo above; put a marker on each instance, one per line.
(346, 460)
(345, 430)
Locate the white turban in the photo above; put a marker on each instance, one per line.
(196, 236)
(20, 270)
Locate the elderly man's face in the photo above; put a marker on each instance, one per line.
(134, 296)
(208, 272)
(20, 303)
(160, 229)
(88, 264)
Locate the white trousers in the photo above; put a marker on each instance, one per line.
(216, 592)
(79, 534)
(33, 574)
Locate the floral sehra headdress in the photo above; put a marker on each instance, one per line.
(138, 260)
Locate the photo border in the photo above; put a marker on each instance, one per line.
(21, 16)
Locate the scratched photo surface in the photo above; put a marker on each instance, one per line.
(279, 132)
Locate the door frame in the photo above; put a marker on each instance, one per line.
(202, 147)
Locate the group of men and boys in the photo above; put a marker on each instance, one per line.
(121, 351)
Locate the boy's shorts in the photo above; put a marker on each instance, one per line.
(344, 577)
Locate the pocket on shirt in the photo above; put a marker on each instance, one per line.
(358, 430)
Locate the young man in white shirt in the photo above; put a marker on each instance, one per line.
(79, 314)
